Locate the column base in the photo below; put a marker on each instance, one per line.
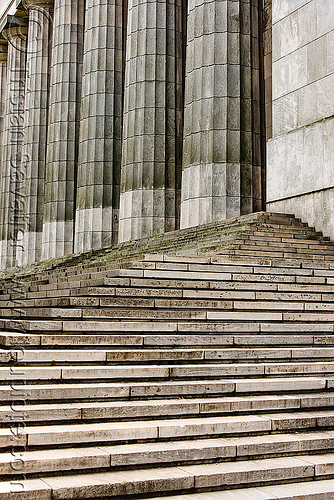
(57, 240)
(210, 193)
(29, 248)
(93, 229)
(8, 251)
(142, 214)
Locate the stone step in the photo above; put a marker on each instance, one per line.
(263, 283)
(188, 478)
(172, 428)
(307, 490)
(137, 268)
(164, 372)
(114, 432)
(293, 240)
(250, 312)
(92, 295)
(75, 306)
(80, 391)
(12, 339)
(163, 453)
(118, 410)
(159, 354)
(238, 300)
(245, 242)
(120, 286)
(171, 271)
(76, 272)
(262, 252)
(212, 273)
(163, 327)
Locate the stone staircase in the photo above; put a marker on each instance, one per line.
(207, 377)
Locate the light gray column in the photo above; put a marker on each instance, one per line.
(218, 179)
(96, 223)
(152, 119)
(63, 131)
(35, 126)
(13, 199)
(3, 73)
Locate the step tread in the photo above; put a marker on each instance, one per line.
(309, 490)
(168, 452)
(173, 478)
(177, 427)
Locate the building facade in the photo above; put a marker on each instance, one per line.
(122, 119)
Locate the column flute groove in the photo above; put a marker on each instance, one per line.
(35, 125)
(63, 130)
(152, 107)
(220, 177)
(13, 199)
(3, 76)
(100, 143)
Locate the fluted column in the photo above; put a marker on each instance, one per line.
(152, 119)
(35, 126)
(63, 131)
(99, 167)
(3, 73)
(218, 178)
(13, 200)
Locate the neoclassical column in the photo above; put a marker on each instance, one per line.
(3, 74)
(219, 180)
(13, 200)
(152, 136)
(35, 126)
(100, 145)
(63, 130)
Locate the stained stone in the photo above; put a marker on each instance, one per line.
(3, 75)
(221, 175)
(35, 127)
(100, 142)
(63, 130)
(152, 136)
(13, 200)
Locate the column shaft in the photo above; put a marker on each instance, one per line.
(152, 119)
(35, 128)
(63, 131)
(13, 200)
(218, 179)
(3, 74)
(101, 125)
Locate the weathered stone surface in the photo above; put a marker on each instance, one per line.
(221, 175)
(299, 155)
(218, 403)
(100, 143)
(13, 174)
(63, 130)
(30, 489)
(152, 133)
(35, 128)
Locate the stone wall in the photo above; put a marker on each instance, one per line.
(300, 155)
